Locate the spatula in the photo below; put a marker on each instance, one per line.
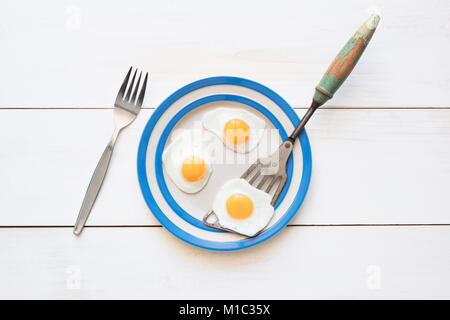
(266, 173)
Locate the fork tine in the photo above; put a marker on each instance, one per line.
(142, 94)
(280, 187)
(130, 87)
(124, 85)
(133, 97)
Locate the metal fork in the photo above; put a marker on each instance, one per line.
(272, 170)
(126, 108)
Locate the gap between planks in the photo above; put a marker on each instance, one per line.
(289, 225)
(296, 108)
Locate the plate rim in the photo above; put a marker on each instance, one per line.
(173, 122)
(176, 230)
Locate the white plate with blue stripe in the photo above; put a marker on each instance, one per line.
(182, 213)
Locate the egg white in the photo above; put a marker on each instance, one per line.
(216, 119)
(262, 209)
(184, 144)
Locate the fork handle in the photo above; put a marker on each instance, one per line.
(339, 69)
(95, 184)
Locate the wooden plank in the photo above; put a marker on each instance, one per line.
(301, 262)
(75, 55)
(369, 167)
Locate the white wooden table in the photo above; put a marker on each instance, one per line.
(376, 219)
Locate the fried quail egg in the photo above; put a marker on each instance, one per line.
(238, 129)
(187, 162)
(242, 208)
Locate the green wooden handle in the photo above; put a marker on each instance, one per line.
(345, 61)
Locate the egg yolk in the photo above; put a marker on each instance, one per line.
(239, 206)
(237, 131)
(193, 168)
